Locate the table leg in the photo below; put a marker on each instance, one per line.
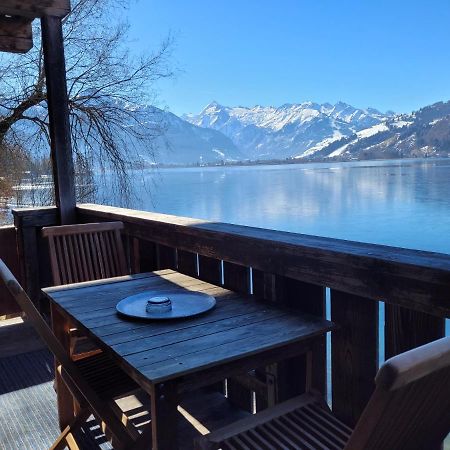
(66, 407)
(164, 414)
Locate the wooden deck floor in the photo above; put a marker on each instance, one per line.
(28, 415)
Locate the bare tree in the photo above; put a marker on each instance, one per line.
(107, 84)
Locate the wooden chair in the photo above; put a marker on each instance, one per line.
(410, 409)
(86, 252)
(81, 387)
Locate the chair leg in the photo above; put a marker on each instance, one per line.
(66, 438)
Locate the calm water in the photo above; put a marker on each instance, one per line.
(404, 203)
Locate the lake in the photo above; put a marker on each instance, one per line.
(404, 203)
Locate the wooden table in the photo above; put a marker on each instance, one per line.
(167, 358)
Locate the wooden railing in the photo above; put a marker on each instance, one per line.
(294, 270)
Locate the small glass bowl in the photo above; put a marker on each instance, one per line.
(159, 305)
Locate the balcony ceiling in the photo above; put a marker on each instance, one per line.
(16, 17)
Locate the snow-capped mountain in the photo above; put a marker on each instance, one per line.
(185, 143)
(293, 129)
(423, 133)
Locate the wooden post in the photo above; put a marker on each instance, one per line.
(354, 354)
(28, 222)
(58, 111)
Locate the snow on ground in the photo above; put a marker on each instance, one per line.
(321, 145)
(372, 131)
(338, 151)
(401, 123)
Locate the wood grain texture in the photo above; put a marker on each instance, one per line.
(187, 263)
(86, 252)
(57, 100)
(148, 258)
(15, 34)
(354, 354)
(303, 422)
(306, 298)
(35, 8)
(406, 329)
(415, 279)
(210, 270)
(411, 404)
(166, 257)
(237, 278)
(235, 329)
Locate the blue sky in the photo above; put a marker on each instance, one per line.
(384, 54)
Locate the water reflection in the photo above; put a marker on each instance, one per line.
(402, 203)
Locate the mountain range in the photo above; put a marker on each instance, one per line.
(312, 131)
(293, 132)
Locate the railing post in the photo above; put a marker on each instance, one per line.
(354, 354)
(28, 223)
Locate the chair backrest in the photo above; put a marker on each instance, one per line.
(86, 252)
(83, 388)
(410, 408)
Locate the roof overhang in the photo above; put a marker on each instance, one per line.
(16, 16)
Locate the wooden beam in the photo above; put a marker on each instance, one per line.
(16, 34)
(35, 8)
(58, 110)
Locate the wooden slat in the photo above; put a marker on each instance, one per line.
(35, 8)
(236, 277)
(249, 340)
(354, 354)
(89, 266)
(97, 227)
(71, 253)
(187, 262)
(406, 329)
(119, 252)
(83, 259)
(132, 245)
(148, 258)
(16, 35)
(60, 263)
(210, 270)
(166, 257)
